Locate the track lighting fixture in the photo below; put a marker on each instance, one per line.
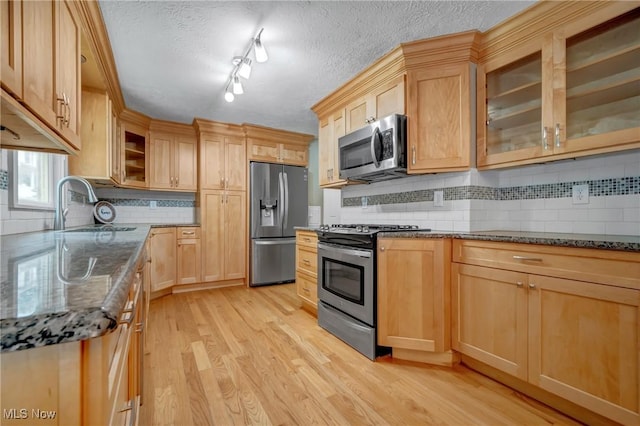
(242, 68)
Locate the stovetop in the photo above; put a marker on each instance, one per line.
(365, 228)
(358, 235)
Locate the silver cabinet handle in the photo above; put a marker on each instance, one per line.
(519, 284)
(61, 106)
(188, 232)
(171, 181)
(532, 286)
(177, 182)
(68, 110)
(545, 144)
(527, 259)
(557, 135)
(413, 155)
(382, 248)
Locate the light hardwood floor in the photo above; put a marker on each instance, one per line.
(252, 356)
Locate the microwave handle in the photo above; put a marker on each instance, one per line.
(375, 138)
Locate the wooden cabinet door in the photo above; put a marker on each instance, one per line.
(212, 159)
(294, 154)
(389, 99)
(357, 113)
(161, 150)
(11, 46)
(262, 150)
(94, 160)
(213, 235)
(188, 261)
(439, 125)
(38, 60)
(413, 294)
(235, 237)
(115, 144)
(185, 163)
(329, 165)
(584, 341)
(163, 258)
(325, 151)
(490, 316)
(67, 65)
(235, 164)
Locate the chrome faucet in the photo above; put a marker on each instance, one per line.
(59, 218)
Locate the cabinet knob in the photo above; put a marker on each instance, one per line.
(532, 286)
(519, 284)
(381, 248)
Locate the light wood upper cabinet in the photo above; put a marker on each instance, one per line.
(173, 158)
(330, 129)
(222, 156)
(224, 244)
(564, 319)
(96, 160)
(276, 146)
(386, 100)
(440, 131)
(570, 91)
(11, 46)
(51, 65)
(162, 251)
(414, 296)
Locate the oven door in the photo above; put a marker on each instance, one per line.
(346, 280)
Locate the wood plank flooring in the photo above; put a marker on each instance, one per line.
(238, 356)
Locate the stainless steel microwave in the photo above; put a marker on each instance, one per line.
(375, 152)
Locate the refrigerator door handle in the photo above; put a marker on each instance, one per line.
(278, 242)
(286, 201)
(281, 196)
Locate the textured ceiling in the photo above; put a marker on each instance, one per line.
(174, 57)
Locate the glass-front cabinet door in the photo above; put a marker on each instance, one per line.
(570, 92)
(513, 111)
(602, 86)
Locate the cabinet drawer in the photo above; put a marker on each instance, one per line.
(307, 287)
(188, 232)
(307, 261)
(617, 268)
(307, 239)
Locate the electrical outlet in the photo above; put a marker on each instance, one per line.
(580, 194)
(153, 205)
(438, 198)
(364, 202)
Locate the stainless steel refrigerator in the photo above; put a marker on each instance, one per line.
(279, 196)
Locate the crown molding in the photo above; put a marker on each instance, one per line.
(171, 127)
(253, 131)
(207, 126)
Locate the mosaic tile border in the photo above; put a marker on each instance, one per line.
(597, 188)
(133, 202)
(4, 179)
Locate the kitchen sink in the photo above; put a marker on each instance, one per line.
(103, 229)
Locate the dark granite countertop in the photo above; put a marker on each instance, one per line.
(62, 286)
(607, 242)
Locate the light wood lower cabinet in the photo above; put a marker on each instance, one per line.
(414, 298)
(188, 255)
(574, 338)
(162, 251)
(307, 268)
(223, 235)
(91, 382)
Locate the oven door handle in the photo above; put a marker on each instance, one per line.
(347, 251)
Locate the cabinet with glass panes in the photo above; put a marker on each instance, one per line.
(571, 95)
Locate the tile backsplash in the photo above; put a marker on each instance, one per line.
(528, 198)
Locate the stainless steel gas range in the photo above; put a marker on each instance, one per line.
(347, 283)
